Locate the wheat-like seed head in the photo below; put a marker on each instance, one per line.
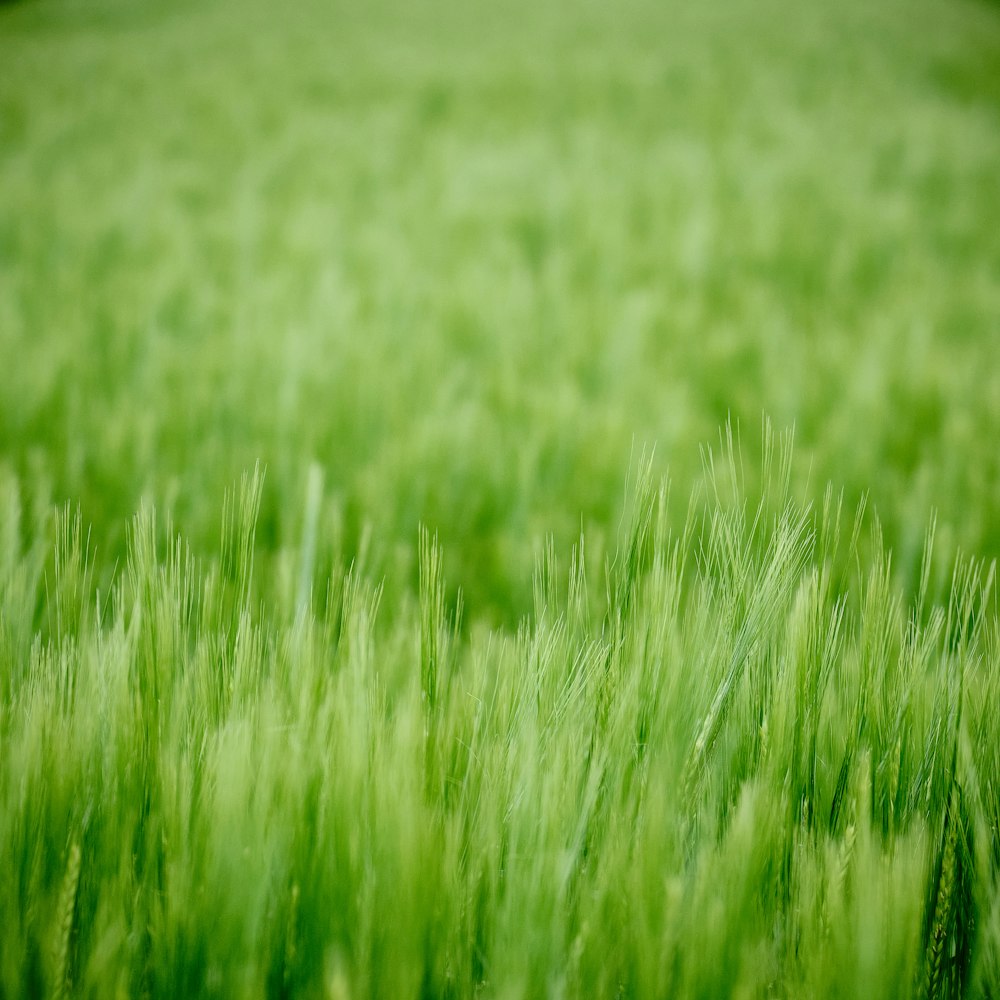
(846, 855)
(941, 928)
(64, 924)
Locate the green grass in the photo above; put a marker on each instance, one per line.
(735, 777)
(349, 643)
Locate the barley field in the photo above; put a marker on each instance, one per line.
(499, 499)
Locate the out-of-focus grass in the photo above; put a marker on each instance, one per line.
(464, 258)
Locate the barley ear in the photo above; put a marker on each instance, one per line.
(950, 908)
(942, 916)
(64, 924)
(846, 855)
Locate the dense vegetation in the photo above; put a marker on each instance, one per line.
(382, 613)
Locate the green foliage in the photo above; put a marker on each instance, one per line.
(734, 777)
(464, 260)
(335, 661)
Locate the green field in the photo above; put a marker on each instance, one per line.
(409, 583)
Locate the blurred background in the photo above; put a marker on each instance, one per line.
(469, 260)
